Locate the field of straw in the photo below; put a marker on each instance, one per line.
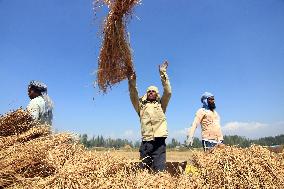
(133, 154)
(32, 157)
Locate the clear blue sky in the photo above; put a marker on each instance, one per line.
(232, 48)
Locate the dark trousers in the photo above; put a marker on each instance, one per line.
(153, 154)
(208, 145)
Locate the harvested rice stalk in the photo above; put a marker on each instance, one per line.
(28, 159)
(86, 169)
(36, 149)
(32, 133)
(61, 154)
(15, 122)
(231, 167)
(115, 60)
(37, 159)
(226, 167)
(7, 179)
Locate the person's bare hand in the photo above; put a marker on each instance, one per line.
(132, 76)
(164, 66)
(189, 141)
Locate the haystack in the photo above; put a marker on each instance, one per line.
(36, 158)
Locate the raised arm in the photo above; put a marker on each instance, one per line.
(133, 92)
(166, 84)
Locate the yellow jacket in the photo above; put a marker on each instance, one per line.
(152, 114)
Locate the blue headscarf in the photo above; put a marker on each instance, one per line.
(204, 98)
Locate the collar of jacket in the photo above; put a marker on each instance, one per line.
(152, 102)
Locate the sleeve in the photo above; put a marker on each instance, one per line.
(167, 90)
(197, 119)
(34, 109)
(134, 95)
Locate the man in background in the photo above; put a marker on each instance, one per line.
(209, 119)
(40, 106)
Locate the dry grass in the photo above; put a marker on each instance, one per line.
(115, 59)
(133, 155)
(231, 167)
(15, 122)
(43, 160)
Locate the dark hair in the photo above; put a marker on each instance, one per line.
(35, 89)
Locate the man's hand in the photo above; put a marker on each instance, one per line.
(132, 76)
(189, 141)
(164, 66)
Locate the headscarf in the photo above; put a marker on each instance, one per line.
(42, 88)
(204, 98)
(151, 88)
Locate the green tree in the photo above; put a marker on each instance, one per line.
(84, 140)
(174, 143)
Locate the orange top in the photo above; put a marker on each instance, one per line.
(210, 125)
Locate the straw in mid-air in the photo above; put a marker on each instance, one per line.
(115, 59)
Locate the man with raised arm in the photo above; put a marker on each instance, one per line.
(151, 109)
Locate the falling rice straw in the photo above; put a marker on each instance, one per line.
(115, 59)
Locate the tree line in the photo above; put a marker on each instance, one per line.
(100, 141)
(245, 142)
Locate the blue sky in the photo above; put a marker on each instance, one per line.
(232, 48)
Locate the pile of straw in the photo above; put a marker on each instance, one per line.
(38, 159)
(115, 59)
(15, 122)
(25, 148)
(231, 167)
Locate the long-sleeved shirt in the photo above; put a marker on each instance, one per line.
(210, 125)
(152, 114)
(38, 111)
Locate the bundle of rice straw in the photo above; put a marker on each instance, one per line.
(32, 133)
(115, 59)
(15, 122)
(25, 148)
